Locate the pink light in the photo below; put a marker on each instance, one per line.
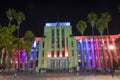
(98, 53)
(92, 49)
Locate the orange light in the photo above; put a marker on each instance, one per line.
(49, 55)
(66, 54)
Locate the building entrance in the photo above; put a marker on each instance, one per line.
(58, 64)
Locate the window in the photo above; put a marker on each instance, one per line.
(57, 32)
(62, 33)
(63, 53)
(52, 32)
(52, 53)
(72, 52)
(58, 53)
(63, 42)
(43, 44)
(52, 43)
(42, 53)
(42, 61)
(72, 43)
(58, 44)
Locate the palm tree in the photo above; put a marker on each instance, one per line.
(19, 17)
(100, 26)
(81, 26)
(106, 16)
(29, 38)
(10, 15)
(92, 18)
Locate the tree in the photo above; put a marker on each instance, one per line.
(106, 16)
(19, 17)
(100, 26)
(7, 40)
(81, 26)
(10, 15)
(92, 18)
(29, 38)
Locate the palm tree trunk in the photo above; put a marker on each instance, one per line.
(103, 62)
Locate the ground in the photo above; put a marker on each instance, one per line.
(58, 76)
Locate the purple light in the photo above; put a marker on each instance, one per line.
(88, 56)
(92, 49)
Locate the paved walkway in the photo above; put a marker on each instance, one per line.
(59, 76)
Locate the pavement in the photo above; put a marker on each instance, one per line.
(58, 76)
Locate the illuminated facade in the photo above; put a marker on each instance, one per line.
(97, 53)
(58, 50)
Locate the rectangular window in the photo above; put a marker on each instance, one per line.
(62, 33)
(63, 53)
(52, 32)
(43, 44)
(72, 43)
(52, 43)
(63, 43)
(42, 61)
(57, 32)
(42, 53)
(58, 44)
(72, 52)
(58, 53)
(52, 54)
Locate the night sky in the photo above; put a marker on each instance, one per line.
(39, 12)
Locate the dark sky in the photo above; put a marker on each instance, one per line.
(39, 12)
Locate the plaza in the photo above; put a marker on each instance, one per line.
(59, 76)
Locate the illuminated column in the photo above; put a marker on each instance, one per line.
(104, 52)
(87, 53)
(98, 54)
(109, 52)
(114, 51)
(82, 53)
(92, 49)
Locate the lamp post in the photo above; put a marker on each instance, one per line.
(111, 47)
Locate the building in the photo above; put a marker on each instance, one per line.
(59, 50)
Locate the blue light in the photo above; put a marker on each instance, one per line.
(34, 44)
(80, 41)
(57, 24)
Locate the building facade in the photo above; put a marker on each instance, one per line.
(58, 50)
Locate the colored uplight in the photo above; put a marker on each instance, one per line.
(111, 47)
(80, 41)
(34, 44)
(57, 24)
